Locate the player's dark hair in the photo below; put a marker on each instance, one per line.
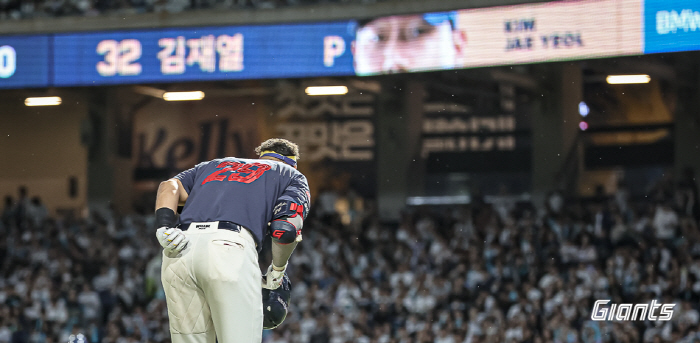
(362, 22)
(280, 146)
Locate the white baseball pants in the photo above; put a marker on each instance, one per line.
(213, 287)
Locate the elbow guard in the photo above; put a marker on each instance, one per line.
(285, 230)
(286, 208)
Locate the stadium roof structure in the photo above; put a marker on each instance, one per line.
(216, 17)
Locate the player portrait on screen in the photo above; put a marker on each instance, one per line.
(408, 43)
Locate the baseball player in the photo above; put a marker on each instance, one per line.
(210, 270)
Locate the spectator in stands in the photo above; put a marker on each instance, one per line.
(36, 211)
(665, 221)
(687, 196)
(8, 212)
(21, 206)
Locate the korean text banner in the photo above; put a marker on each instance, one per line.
(671, 25)
(24, 61)
(215, 53)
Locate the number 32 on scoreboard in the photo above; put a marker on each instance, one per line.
(119, 57)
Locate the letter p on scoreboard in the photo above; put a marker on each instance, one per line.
(333, 46)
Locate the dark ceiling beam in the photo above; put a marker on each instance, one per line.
(236, 16)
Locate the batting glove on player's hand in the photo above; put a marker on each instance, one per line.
(172, 239)
(273, 278)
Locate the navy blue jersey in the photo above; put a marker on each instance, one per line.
(248, 192)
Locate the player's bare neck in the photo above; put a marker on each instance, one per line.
(275, 159)
(271, 158)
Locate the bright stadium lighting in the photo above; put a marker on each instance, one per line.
(183, 96)
(627, 79)
(327, 90)
(583, 109)
(43, 101)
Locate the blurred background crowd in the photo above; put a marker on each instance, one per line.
(21, 9)
(79, 261)
(492, 271)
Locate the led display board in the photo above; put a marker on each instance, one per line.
(506, 35)
(553, 31)
(24, 61)
(671, 25)
(198, 54)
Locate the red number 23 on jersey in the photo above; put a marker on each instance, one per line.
(240, 172)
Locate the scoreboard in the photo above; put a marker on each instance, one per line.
(176, 55)
(506, 35)
(215, 53)
(24, 61)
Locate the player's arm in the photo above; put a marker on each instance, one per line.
(286, 234)
(172, 193)
(285, 227)
(169, 195)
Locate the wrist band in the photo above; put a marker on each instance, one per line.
(165, 217)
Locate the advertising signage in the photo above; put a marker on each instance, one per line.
(671, 25)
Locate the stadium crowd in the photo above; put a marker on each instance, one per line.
(20, 9)
(487, 272)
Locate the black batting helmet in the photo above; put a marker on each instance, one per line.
(275, 303)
